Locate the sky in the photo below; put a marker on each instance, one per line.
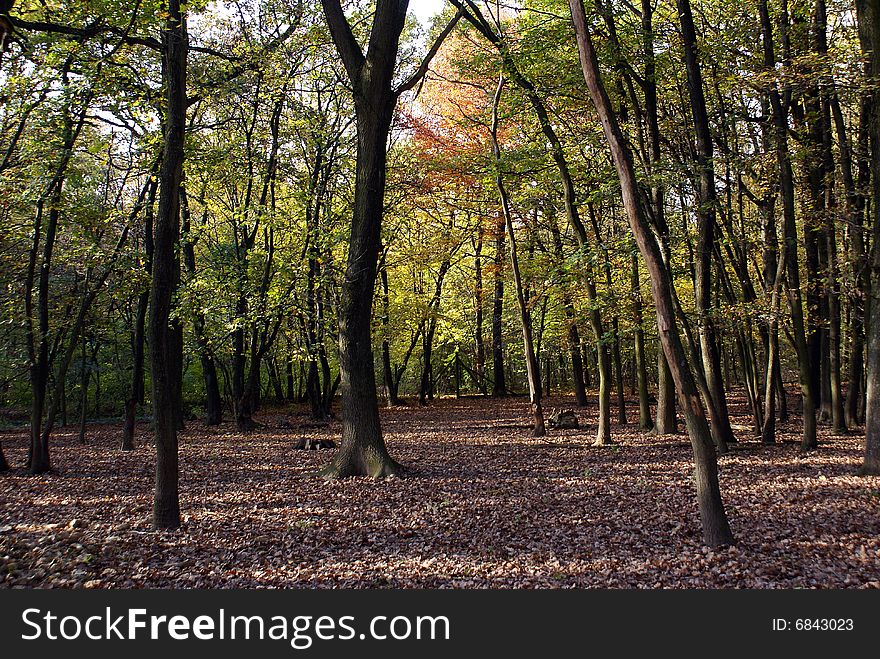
(425, 10)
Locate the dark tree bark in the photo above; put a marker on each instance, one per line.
(716, 529)
(5, 31)
(855, 214)
(869, 36)
(479, 343)
(164, 355)
(363, 450)
(645, 420)
(707, 199)
(790, 237)
(136, 397)
(213, 400)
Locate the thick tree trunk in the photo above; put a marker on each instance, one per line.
(716, 529)
(363, 451)
(164, 355)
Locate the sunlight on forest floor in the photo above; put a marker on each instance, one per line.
(482, 504)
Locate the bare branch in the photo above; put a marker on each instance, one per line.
(414, 79)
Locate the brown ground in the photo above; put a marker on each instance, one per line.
(482, 505)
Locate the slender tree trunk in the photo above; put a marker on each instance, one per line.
(645, 420)
(574, 339)
(136, 396)
(707, 199)
(288, 372)
(164, 357)
(525, 319)
(869, 36)
(499, 386)
(571, 207)
(387, 373)
(716, 529)
(790, 237)
(83, 393)
(213, 400)
(479, 343)
(855, 212)
(427, 382)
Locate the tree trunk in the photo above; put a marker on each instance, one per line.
(855, 213)
(136, 396)
(716, 529)
(479, 343)
(645, 420)
(534, 376)
(707, 200)
(869, 36)
(388, 379)
(426, 389)
(363, 451)
(164, 355)
(790, 237)
(499, 386)
(213, 400)
(83, 393)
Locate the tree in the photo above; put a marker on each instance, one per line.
(869, 35)
(165, 348)
(363, 451)
(534, 377)
(716, 529)
(706, 216)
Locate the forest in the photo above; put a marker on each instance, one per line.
(462, 293)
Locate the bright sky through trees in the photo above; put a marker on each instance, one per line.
(425, 10)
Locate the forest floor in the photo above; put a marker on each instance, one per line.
(482, 504)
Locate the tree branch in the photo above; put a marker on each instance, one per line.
(349, 50)
(87, 32)
(414, 79)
